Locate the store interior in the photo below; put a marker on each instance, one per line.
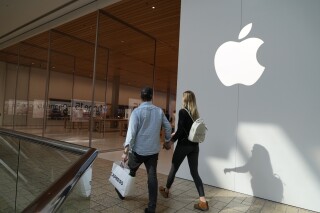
(79, 81)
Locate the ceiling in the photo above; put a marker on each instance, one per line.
(137, 44)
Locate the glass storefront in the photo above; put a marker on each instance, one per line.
(80, 81)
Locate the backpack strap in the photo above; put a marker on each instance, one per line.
(189, 114)
(192, 122)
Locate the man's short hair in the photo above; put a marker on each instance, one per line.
(146, 94)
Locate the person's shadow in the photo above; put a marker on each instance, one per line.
(264, 182)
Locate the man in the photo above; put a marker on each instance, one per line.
(142, 143)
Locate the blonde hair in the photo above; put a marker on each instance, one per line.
(189, 102)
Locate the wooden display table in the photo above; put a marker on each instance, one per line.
(81, 124)
(99, 124)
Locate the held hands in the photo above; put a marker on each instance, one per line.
(167, 145)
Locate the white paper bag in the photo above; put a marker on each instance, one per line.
(121, 179)
(84, 183)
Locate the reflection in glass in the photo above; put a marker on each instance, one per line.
(8, 173)
(59, 81)
(39, 166)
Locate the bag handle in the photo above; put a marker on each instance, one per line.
(123, 164)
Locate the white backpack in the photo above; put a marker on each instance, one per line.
(198, 130)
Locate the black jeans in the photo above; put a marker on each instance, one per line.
(151, 162)
(192, 153)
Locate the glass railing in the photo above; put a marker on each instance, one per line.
(38, 174)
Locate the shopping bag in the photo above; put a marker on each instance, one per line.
(84, 184)
(121, 179)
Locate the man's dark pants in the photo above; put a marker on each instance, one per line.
(150, 162)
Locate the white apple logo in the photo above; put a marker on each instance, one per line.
(236, 62)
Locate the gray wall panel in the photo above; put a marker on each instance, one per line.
(217, 104)
(268, 131)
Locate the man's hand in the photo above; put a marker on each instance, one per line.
(124, 157)
(125, 154)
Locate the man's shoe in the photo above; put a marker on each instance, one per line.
(146, 210)
(119, 194)
(163, 192)
(203, 206)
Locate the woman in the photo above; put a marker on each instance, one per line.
(186, 148)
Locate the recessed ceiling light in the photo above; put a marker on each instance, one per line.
(153, 7)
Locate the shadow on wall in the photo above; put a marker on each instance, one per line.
(264, 182)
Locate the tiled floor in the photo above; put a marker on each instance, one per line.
(183, 196)
(183, 193)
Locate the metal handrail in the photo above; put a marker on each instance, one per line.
(73, 148)
(51, 199)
